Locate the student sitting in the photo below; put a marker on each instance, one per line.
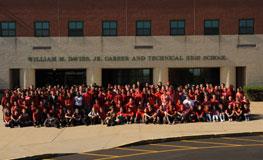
(191, 115)
(207, 113)
(120, 117)
(238, 113)
(15, 119)
(200, 114)
(139, 116)
(169, 117)
(221, 112)
(215, 114)
(37, 118)
(160, 113)
(246, 112)
(25, 119)
(76, 118)
(94, 116)
(51, 121)
(110, 117)
(229, 113)
(68, 118)
(7, 118)
(129, 116)
(180, 115)
(150, 116)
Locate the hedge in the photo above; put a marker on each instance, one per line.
(254, 93)
(1, 94)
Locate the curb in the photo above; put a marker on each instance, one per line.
(153, 141)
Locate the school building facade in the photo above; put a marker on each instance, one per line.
(123, 41)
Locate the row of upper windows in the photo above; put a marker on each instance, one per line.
(110, 28)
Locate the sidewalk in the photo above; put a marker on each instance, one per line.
(23, 142)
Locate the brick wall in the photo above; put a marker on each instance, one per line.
(126, 12)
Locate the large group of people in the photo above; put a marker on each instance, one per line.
(58, 106)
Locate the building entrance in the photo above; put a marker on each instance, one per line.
(126, 76)
(66, 77)
(181, 76)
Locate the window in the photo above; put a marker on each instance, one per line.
(7, 29)
(42, 29)
(76, 28)
(109, 28)
(246, 26)
(177, 27)
(211, 27)
(143, 28)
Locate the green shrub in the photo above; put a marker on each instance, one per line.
(1, 95)
(254, 93)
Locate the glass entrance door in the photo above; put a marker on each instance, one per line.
(126, 76)
(65, 77)
(182, 76)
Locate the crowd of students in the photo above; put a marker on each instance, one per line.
(58, 106)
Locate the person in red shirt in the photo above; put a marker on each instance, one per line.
(96, 106)
(15, 119)
(102, 114)
(170, 115)
(160, 113)
(229, 113)
(238, 114)
(36, 116)
(200, 114)
(110, 117)
(69, 118)
(68, 101)
(129, 116)
(179, 115)
(139, 115)
(15, 107)
(231, 102)
(130, 105)
(7, 118)
(120, 116)
(5, 99)
(207, 112)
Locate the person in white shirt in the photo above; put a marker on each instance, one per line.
(188, 102)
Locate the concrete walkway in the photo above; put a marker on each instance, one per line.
(23, 142)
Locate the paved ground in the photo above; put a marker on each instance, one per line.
(227, 148)
(24, 142)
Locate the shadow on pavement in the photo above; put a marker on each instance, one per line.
(256, 117)
(45, 156)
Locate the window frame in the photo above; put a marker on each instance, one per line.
(35, 29)
(136, 29)
(109, 35)
(253, 27)
(211, 34)
(83, 26)
(1, 30)
(178, 20)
